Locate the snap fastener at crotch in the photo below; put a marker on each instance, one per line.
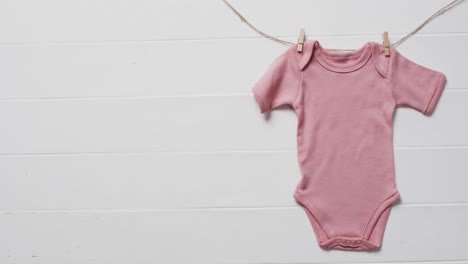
(348, 243)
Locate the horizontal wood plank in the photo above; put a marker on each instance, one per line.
(220, 236)
(207, 123)
(181, 68)
(203, 180)
(28, 21)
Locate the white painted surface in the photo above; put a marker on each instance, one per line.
(129, 134)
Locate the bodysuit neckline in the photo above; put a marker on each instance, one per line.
(339, 61)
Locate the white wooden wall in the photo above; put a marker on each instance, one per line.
(129, 133)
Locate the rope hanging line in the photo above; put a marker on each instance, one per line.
(439, 12)
(265, 35)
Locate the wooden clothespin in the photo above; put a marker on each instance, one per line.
(386, 44)
(300, 40)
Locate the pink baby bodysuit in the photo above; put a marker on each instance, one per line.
(345, 102)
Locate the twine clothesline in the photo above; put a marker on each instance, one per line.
(265, 35)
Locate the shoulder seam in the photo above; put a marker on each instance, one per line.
(299, 72)
(376, 62)
(390, 72)
(382, 72)
(299, 88)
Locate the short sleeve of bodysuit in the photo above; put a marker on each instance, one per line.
(414, 85)
(279, 84)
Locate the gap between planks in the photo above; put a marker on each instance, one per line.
(250, 208)
(144, 97)
(381, 262)
(203, 152)
(90, 42)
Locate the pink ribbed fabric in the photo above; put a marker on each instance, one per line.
(345, 103)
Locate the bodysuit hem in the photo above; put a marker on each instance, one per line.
(333, 241)
(307, 205)
(438, 87)
(378, 211)
(258, 94)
